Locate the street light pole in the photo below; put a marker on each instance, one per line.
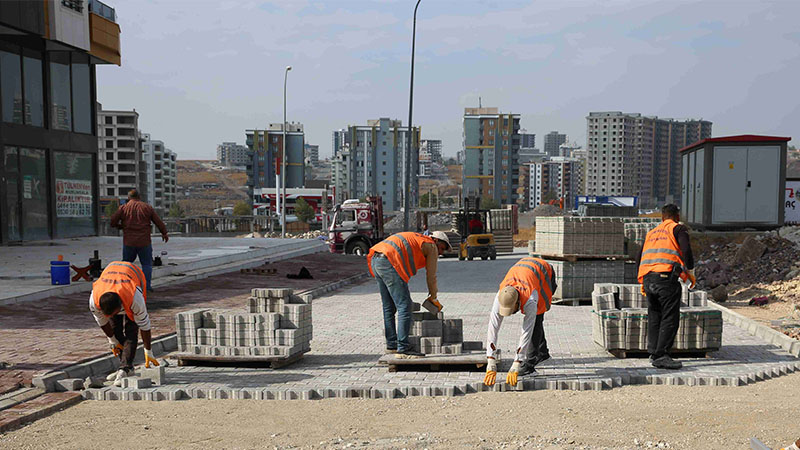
(407, 196)
(283, 158)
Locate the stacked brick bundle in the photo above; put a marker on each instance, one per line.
(580, 236)
(636, 229)
(278, 323)
(577, 279)
(620, 320)
(433, 334)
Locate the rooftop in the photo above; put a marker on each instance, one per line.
(737, 138)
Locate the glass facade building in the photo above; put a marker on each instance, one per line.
(48, 142)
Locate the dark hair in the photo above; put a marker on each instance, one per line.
(133, 193)
(670, 211)
(110, 303)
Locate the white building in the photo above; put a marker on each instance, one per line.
(119, 158)
(231, 154)
(162, 174)
(560, 177)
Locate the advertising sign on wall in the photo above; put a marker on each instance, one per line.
(73, 198)
(791, 203)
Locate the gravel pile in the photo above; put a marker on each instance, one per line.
(548, 211)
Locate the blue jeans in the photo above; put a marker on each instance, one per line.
(396, 299)
(145, 255)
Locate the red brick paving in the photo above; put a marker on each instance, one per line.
(36, 408)
(47, 334)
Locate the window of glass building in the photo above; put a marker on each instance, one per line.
(11, 84)
(74, 200)
(81, 94)
(34, 88)
(60, 102)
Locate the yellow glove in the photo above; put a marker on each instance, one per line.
(148, 358)
(435, 302)
(692, 278)
(641, 287)
(513, 373)
(491, 372)
(115, 346)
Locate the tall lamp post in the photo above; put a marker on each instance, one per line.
(407, 196)
(283, 158)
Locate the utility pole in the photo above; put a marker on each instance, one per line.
(283, 159)
(407, 196)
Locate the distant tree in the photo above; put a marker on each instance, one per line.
(242, 208)
(112, 207)
(176, 210)
(550, 195)
(427, 200)
(303, 210)
(489, 203)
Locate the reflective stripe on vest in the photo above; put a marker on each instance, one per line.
(661, 252)
(404, 252)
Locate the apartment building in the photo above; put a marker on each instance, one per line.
(491, 154)
(231, 154)
(119, 155)
(631, 154)
(162, 174)
(311, 153)
(266, 149)
(552, 141)
(559, 178)
(430, 158)
(48, 119)
(373, 163)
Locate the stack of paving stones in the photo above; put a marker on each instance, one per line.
(580, 236)
(577, 279)
(277, 323)
(620, 320)
(636, 229)
(432, 334)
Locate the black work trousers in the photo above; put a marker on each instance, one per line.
(663, 311)
(538, 346)
(127, 333)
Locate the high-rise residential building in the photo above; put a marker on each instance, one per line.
(430, 158)
(231, 154)
(568, 150)
(527, 140)
(631, 154)
(552, 141)
(311, 154)
(491, 154)
(373, 163)
(162, 174)
(559, 178)
(119, 157)
(433, 147)
(340, 139)
(48, 118)
(266, 150)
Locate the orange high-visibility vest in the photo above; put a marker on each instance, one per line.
(122, 278)
(404, 251)
(530, 274)
(661, 251)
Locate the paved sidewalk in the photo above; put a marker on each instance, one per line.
(44, 335)
(25, 269)
(348, 341)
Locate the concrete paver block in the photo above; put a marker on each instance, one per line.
(157, 374)
(69, 384)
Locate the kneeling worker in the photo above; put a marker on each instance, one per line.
(392, 262)
(118, 305)
(528, 287)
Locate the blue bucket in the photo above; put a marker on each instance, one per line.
(59, 272)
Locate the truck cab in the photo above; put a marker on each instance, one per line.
(356, 226)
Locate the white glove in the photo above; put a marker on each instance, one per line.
(515, 366)
(491, 372)
(513, 372)
(491, 365)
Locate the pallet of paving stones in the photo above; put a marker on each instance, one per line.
(574, 238)
(262, 270)
(275, 329)
(619, 322)
(579, 257)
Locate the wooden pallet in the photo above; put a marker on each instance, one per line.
(700, 353)
(572, 301)
(274, 362)
(576, 258)
(259, 271)
(476, 360)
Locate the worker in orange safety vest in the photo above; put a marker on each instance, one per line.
(393, 262)
(665, 260)
(118, 305)
(528, 287)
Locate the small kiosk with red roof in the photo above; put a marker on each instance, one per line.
(734, 182)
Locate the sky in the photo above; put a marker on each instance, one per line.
(201, 72)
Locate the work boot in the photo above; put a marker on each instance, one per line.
(540, 359)
(391, 351)
(409, 354)
(527, 369)
(122, 373)
(665, 362)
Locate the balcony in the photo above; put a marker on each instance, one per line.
(104, 33)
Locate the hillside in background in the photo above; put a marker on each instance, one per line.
(203, 186)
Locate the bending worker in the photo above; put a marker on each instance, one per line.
(528, 287)
(118, 305)
(393, 262)
(665, 258)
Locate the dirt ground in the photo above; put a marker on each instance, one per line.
(676, 417)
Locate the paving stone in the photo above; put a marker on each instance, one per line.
(69, 384)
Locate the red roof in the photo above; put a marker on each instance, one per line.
(737, 138)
